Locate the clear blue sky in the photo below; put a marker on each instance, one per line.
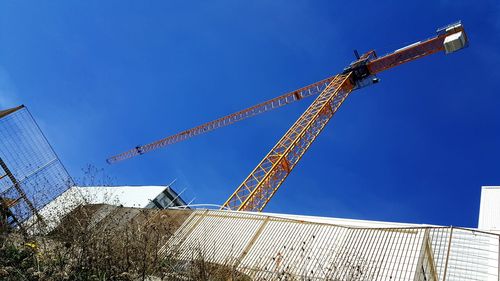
(104, 76)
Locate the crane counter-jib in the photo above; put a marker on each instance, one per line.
(449, 39)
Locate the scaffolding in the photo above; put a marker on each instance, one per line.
(31, 174)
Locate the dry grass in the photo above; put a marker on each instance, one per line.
(121, 246)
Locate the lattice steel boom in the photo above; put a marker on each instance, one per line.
(274, 103)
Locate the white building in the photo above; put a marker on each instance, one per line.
(152, 197)
(489, 212)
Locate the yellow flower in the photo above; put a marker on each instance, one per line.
(31, 245)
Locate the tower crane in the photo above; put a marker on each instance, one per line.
(263, 182)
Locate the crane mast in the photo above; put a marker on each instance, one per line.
(260, 186)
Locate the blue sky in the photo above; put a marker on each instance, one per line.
(104, 76)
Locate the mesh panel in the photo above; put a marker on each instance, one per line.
(31, 161)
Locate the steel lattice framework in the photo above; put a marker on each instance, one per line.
(259, 187)
(31, 174)
(304, 92)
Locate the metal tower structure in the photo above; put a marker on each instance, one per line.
(263, 182)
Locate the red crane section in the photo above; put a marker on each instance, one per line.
(420, 49)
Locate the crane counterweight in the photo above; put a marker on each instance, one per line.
(455, 42)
